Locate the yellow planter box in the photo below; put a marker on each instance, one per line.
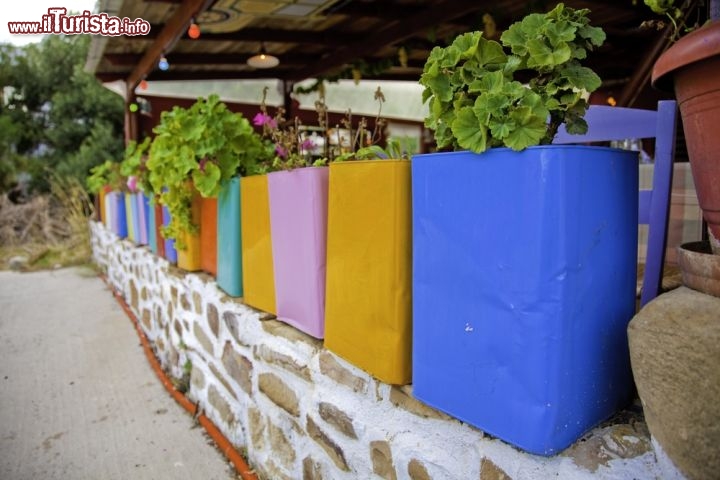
(189, 258)
(369, 258)
(257, 260)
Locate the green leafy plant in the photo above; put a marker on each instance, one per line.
(679, 12)
(515, 93)
(288, 149)
(667, 8)
(363, 143)
(107, 174)
(197, 149)
(134, 165)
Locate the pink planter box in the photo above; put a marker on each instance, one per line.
(298, 222)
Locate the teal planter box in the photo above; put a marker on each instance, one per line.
(152, 222)
(524, 279)
(229, 251)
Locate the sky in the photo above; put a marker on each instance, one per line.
(32, 11)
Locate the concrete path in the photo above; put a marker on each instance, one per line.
(78, 399)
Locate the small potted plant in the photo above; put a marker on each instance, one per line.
(194, 152)
(369, 251)
(691, 68)
(524, 252)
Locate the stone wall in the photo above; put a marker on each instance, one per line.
(301, 412)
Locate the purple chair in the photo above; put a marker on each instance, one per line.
(615, 123)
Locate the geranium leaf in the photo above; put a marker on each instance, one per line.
(468, 131)
(529, 129)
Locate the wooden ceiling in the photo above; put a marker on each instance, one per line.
(326, 38)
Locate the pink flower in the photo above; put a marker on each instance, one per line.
(132, 183)
(280, 151)
(307, 144)
(262, 119)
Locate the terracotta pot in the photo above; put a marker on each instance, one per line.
(693, 66)
(700, 269)
(208, 235)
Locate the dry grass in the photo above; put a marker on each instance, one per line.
(51, 230)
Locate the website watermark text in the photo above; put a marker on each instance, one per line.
(57, 22)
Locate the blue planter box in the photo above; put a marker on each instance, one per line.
(170, 252)
(524, 278)
(229, 251)
(119, 215)
(152, 222)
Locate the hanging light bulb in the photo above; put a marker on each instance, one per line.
(163, 64)
(194, 30)
(263, 59)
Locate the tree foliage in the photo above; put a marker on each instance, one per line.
(54, 116)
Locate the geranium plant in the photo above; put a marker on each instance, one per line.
(515, 93)
(363, 144)
(291, 150)
(134, 165)
(107, 174)
(198, 148)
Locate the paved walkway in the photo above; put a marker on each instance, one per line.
(78, 399)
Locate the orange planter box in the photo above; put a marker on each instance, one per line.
(208, 235)
(102, 214)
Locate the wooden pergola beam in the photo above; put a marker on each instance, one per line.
(127, 59)
(394, 32)
(158, 75)
(171, 32)
(199, 59)
(268, 35)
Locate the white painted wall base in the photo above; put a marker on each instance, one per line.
(301, 412)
